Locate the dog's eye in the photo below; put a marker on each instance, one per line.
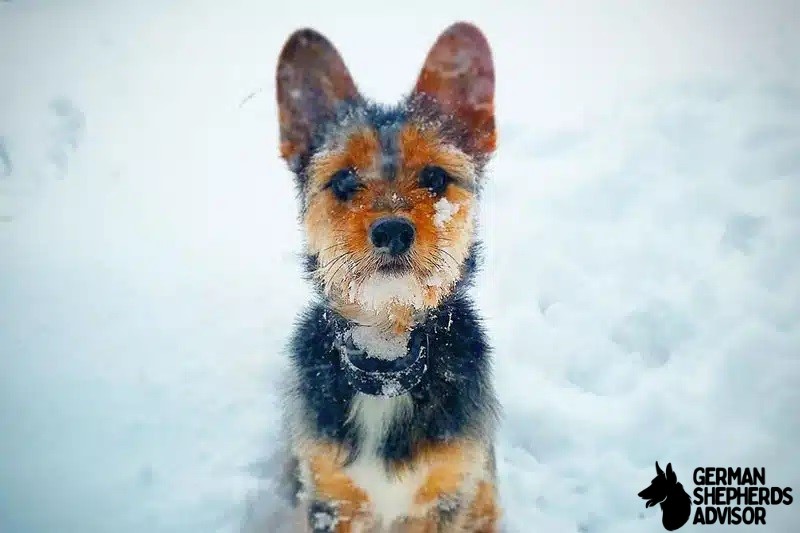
(344, 184)
(435, 179)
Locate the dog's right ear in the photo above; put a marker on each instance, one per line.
(671, 477)
(659, 471)
(312, 81)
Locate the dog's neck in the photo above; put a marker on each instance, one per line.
(391, 320)
(392, 309)
(454, 391)
(394, 306)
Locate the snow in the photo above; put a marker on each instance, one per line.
(640, 286)
(378, 343)
(435, 280)
(443, 212)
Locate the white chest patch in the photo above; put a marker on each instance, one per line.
(391, 497)
(373, 416)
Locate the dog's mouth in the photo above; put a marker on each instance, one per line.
(651, 499)
(394, 265)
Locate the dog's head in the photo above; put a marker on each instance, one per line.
(660, 487)
(387, 194)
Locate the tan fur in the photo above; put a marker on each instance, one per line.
(484, 512)
(451, 469)
(420, 146)
(332, 484)
(360, 151)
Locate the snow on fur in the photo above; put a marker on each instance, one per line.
(444, 211)
(378, 343)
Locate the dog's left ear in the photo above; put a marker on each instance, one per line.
(312, 82)
(459, 75)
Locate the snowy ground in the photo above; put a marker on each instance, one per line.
(642, 223)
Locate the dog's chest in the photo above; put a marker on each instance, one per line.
(391, 496)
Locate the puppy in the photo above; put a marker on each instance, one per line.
(390, 412)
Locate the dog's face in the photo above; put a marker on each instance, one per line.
(660, 487)
(388, 194)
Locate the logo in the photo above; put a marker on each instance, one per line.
(665, 490)
(723, 496)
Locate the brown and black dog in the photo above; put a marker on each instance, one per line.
(390, 412)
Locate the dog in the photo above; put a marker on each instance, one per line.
(390, 409)
(676, 505)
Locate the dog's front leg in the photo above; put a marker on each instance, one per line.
(325, 516)
(442, 517)
(334, 503)
(483, 513)
(476, 513)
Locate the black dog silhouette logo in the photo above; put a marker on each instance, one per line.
(676, 506)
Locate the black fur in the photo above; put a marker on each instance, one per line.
(454, 399)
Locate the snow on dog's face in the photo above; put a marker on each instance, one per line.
(388, 193)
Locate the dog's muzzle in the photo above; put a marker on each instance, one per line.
(382, 377)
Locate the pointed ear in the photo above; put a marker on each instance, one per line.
(459, 75)
(658, 470)
(312, 82)
(671, 477)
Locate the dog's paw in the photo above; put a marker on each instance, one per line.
(449, 507)
(322, 517)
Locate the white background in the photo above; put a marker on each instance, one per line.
(641, 220)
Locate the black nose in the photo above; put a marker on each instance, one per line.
(393, 235)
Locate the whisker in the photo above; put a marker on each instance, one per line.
(338, 244)
(333, 260)
(354, 267)
(448, 254)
